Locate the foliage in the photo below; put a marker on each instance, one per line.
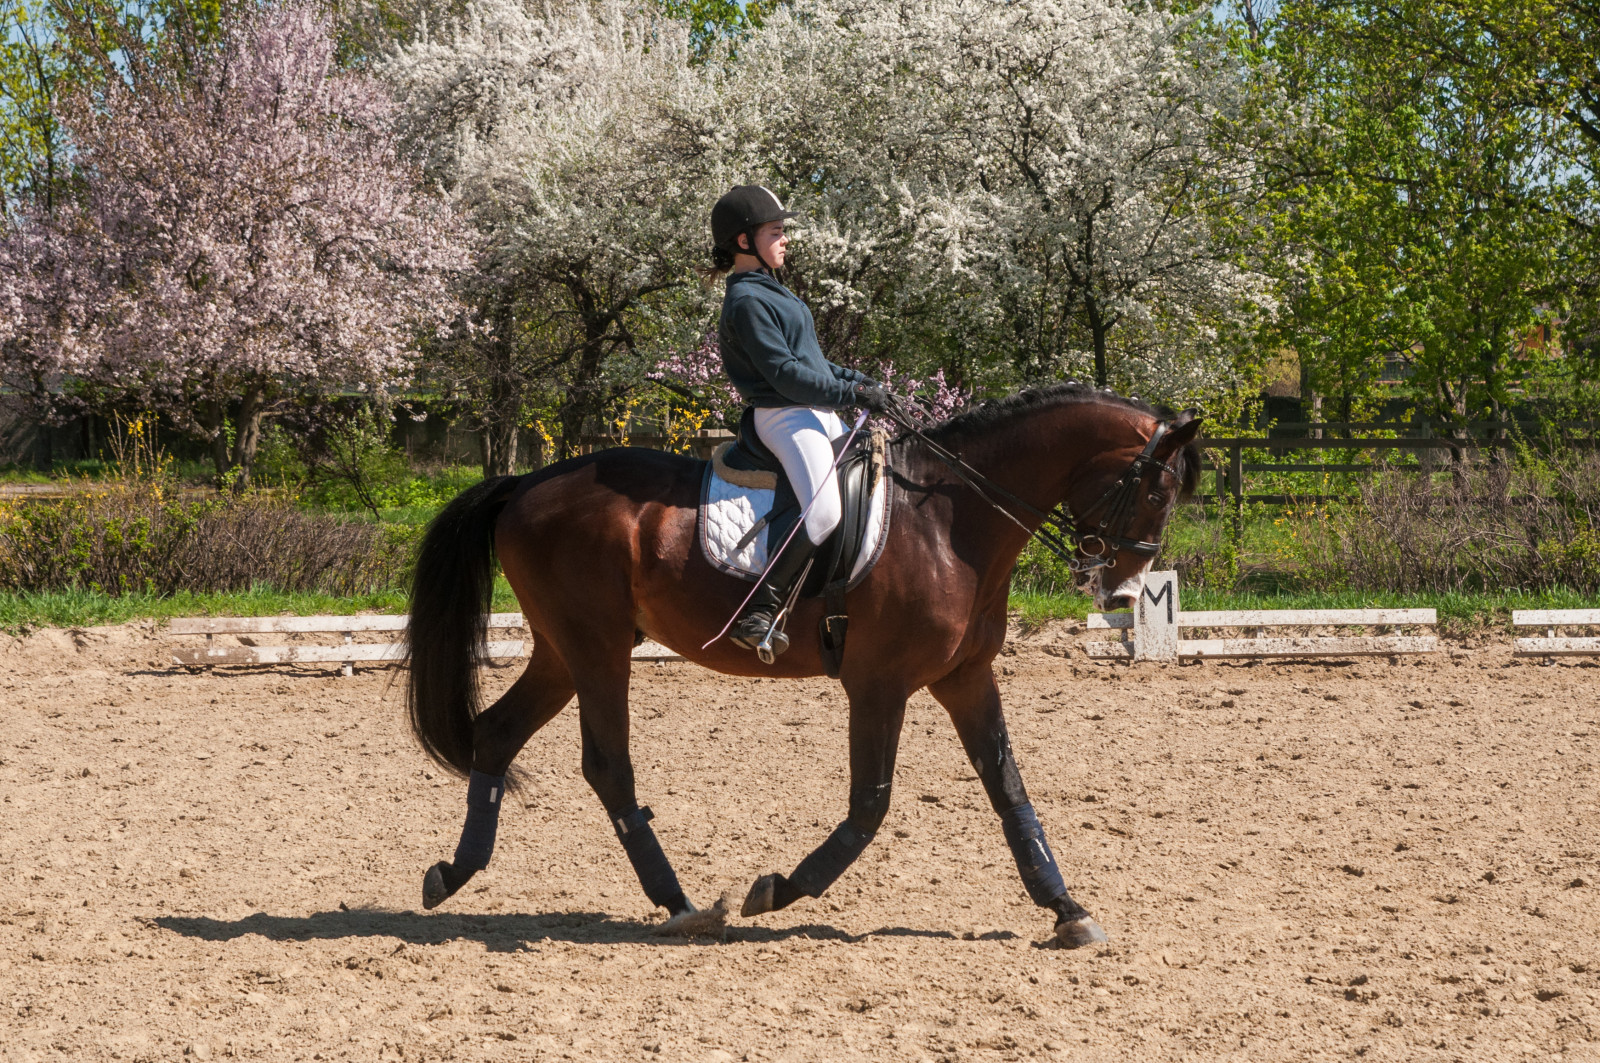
(32, 67)
(1484, 529)
(53, 49)
(714, 23)
(122, 539)
(342, 460)
(544, 126)
(1435, 190)
(22, 611)
(699, 391)
(1008, 192)
(348, 459)
(243, 234)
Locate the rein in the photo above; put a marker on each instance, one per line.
(1059, 531)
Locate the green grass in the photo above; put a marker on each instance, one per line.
(83, 608)
(1458, 612)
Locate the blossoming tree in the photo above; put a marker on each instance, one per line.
(243, 234)
(1037, 181)
(543, 124)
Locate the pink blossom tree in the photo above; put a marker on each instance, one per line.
(243, 235)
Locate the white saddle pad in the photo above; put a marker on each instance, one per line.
(727, 513)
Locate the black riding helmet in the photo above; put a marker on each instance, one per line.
(744, 209)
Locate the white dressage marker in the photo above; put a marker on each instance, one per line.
(348, 652)
(1157, 620)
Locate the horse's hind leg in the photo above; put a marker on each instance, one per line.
(498, 735)
(971, 697)
(876, 716)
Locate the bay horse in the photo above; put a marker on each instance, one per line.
(601, 551)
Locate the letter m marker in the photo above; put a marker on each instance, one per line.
(1155, 619)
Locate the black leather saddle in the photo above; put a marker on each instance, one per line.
(829, 577)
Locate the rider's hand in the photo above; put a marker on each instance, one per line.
(872, 396)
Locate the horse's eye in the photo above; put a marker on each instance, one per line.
(1156, 499)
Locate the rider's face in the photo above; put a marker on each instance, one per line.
(772, 242)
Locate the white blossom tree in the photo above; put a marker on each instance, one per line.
(242, 235)
(544, 123)
(1038, 181)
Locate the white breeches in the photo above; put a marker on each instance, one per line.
(802, 438)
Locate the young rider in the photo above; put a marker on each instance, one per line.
(770, 352)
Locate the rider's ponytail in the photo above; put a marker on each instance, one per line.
(721, 263)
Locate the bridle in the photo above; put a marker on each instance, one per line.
(1059, 531)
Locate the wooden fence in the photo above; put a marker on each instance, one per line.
(346, 653)
(1405, 437)
(1152, 631)
(1554, 644)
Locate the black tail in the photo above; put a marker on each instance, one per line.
(450, 595)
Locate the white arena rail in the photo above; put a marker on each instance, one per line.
(347, 652)
(1151, 632)
(1553, 645)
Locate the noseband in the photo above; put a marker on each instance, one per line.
(1059, 531)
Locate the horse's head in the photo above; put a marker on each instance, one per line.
(1123, 508)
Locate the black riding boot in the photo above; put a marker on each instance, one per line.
(769, 598)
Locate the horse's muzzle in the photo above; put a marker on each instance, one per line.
(1124, 595)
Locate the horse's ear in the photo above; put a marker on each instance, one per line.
(1183, 431)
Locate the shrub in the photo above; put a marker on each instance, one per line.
(1533, 526)
(130, 538)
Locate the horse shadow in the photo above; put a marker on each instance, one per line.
(497, 932)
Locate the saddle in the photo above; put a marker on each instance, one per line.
(841, 562)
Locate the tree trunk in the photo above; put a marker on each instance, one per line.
(498, 443)
(586, 398)
(1098, 327)
(252, 412)
(502, 417)
(1310, 401)
(214, 419)
(501, 413)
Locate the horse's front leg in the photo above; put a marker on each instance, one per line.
(971, 697)
(875, 719)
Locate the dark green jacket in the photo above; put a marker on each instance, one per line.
(770, 350)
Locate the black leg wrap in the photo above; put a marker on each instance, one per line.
(819, 870)
(655, 873)
(1067, 909)
(1035, 862)
(484, 793)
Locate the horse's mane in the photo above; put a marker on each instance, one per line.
(995, 412)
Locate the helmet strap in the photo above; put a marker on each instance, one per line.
(766, 267)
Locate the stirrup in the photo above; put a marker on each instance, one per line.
(770, 643)
(775, 642)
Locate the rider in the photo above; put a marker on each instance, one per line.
(770, 351)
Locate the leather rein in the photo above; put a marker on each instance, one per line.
(1059, 531)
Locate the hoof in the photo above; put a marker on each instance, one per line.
(692, 922)
(762, 897)
(1076, 933)
(434, 887)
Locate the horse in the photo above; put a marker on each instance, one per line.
(601, 553)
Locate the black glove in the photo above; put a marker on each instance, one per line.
(872, 396)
